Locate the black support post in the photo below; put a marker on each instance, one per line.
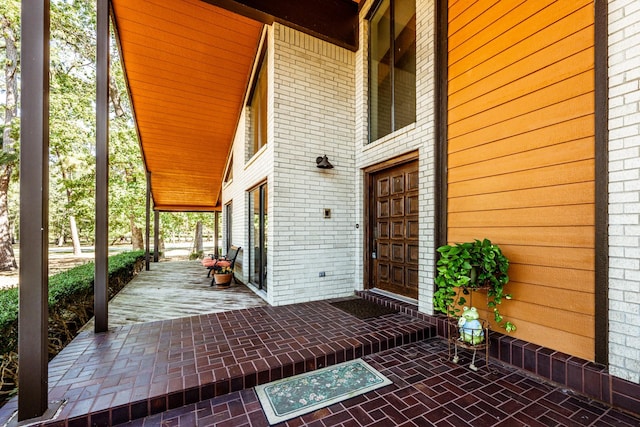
(148, 225)
(156, 236)
(34, 218)
(216, 231)
(601, 184)
(101, 278)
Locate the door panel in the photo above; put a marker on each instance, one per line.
(397, 206)
(395, 230)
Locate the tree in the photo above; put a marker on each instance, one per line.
(127, 179)
(198, 247)
(72, 133)
(9, 28)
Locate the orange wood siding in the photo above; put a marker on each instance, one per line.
(521, 157)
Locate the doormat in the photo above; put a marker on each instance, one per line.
(362, 308)
(294, 396)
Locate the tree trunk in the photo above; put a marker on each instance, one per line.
(137, 241)
(114, 96)
(161, 247)
(7, 258)
(198, 246)
(77, 250)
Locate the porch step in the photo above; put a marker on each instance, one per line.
(139, 370)
(312, 344)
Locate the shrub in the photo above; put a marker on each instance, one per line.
(70, 304)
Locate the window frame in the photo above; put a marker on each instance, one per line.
(228, 176)
(228, 220)
(373, 11)
(262, 190)
(261, 72)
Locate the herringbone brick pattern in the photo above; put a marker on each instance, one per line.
(427, 390)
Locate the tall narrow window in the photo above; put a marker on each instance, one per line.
(228, 219)
(258, 110)
(258, 225)
(228, 177)
(392, 67)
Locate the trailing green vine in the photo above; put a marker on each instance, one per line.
(469, 266)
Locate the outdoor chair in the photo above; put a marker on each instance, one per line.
(211, 262)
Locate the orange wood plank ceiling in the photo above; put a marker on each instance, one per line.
(188, 64)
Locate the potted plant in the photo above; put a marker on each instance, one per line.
(466, 267)
(222, 275)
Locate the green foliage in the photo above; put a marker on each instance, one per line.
(64, 288)
(8, 306)
(222, 270)
(8, 158)
(471, 266)
(72, 133)
(176, 224)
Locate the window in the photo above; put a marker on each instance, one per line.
(258, 110)
(229, 175)
(228, 219)
(258, 226)
(392, 67)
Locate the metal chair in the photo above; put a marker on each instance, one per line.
(228, 260)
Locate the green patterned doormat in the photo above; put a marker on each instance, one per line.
(291, 397)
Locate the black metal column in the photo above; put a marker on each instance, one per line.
(216, 231)
(101, 275)
(602, 183)
(148, 220)
(156, 236)
(34, 218)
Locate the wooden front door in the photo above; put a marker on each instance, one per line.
(394, 229)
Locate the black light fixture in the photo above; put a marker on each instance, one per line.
(323, 162)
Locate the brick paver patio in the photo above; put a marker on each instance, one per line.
(200, 371)
(427, 390)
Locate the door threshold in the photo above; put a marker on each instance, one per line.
(394, 296)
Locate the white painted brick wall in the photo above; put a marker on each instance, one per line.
(317, 106)
(247, 173)
(313, 116)
(419, 136)
(245, 176)
(624, 189)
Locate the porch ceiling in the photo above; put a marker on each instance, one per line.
(187, 65)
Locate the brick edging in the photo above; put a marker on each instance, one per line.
(582, 376)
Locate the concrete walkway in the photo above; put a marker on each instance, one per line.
(174, 289)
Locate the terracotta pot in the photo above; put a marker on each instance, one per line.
(222, 279)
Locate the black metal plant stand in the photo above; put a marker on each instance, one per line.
(456, 341)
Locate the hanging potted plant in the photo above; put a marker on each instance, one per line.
(467, 267)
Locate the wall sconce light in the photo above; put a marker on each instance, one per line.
(323, 163)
